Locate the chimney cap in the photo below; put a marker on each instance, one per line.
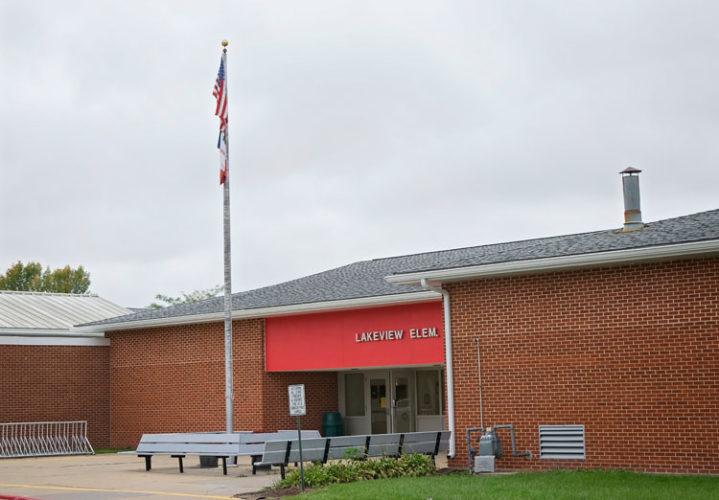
(630, 171)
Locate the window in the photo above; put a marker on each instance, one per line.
(354, 395)
(561, 441)
(428, 393)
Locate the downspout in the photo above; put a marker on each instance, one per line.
(447, 360)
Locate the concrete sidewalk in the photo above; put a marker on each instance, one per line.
(114, 477)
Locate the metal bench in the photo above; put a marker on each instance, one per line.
(282, 452)
(341, 445)
(426, 443)
(179, 445)
(211, 444)
(252, 444)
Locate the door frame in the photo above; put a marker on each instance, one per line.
(363, 424)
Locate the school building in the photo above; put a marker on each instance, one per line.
(50, 371)
(616, 331)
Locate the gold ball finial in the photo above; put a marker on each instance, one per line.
(225, 43)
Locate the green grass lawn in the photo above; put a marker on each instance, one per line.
(539, 485)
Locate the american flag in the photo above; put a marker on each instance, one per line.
(220, 93)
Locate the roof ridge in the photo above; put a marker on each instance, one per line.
(528, 240)
(535, 240)
(294, 279)
(683, 216)
(32, 292)
(233, 295)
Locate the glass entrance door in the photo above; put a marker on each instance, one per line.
(379, 404)
(388, 401)
(402, 401)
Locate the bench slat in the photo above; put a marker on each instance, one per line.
(185, 448)
(306, 434)
(251, 449)
(191, 438)
(275, 453)
(313, 450)
(419, 442)
(383, 445)
(261, 437)
(340, 445)
(444, 441)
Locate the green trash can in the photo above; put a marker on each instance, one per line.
(332, 424)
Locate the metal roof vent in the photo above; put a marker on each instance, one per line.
(632, 204)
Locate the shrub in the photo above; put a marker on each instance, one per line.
(353, 454)
(347, 471)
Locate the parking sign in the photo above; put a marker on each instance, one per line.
(297, 400)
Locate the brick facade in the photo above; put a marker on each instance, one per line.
(631, 352)
(172, 379)
(50, 383)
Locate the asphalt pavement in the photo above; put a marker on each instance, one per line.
(113, 476)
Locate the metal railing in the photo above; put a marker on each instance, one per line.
(37, 439)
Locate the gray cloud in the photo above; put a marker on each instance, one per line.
(358, 130)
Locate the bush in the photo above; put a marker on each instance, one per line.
(347, 471)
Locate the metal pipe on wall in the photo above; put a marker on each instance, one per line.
(481, 387)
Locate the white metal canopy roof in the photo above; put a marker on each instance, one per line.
(51, 313)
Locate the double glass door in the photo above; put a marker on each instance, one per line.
(392, 402)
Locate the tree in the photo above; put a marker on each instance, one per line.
(185, 298)
(68, 280)
(22, 277)
(31, 277)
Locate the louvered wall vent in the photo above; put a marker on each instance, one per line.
(561, 441)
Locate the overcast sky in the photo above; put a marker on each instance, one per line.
(357, 130)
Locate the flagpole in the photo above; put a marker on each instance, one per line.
(229, 396)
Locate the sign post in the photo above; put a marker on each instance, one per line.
(298, 408)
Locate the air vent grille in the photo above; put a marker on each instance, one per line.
(561, 441)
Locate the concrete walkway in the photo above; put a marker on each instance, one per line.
(123, 476)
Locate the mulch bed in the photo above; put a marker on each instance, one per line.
(275, 493)
(271, 493)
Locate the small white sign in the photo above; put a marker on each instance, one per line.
(297, 400)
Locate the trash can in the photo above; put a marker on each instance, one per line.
(332, 424)
(208, 462)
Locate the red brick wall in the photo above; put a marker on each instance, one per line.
(261, 398)
(320, 392)
(630, 352)
(166, 380)
(52, 383)
(172, 379)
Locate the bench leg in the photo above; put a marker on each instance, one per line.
(224, 466)
(254, 469)
(179, 458)
(282, 471)
(148, 462)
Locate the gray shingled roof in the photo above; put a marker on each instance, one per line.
(367, 278)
